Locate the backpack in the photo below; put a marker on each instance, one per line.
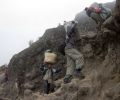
(96, 9)
(105, 12)
(67, 27)
(61, 48)
(92, 9)
(77, 31)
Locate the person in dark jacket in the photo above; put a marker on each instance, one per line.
(75, 60)
(48, 72)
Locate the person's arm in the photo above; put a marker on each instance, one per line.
(72, 31)
(42, 67)
(57, 70)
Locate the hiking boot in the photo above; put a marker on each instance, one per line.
(67, 80)
(79, 74)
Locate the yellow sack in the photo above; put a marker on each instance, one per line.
(50, 58)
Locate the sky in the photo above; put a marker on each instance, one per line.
(25, 20)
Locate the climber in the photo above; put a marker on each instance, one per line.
(75, 60)
(48, 72)
(6, 73)
(94, 14)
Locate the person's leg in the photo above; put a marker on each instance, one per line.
(45, 86)
(100, 24)
(79, 61)
(48, 88)
(70, 66)
(103, 15)
(70, 69)
(98, 18)
(77, 57)
(5, 79)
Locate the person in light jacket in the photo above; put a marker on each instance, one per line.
(48, 72)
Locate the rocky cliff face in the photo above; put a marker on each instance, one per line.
(112, 25)
(24, 70)
(102, 65)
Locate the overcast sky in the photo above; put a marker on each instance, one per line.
(24, 20)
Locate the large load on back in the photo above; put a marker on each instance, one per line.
(68, 26)
(105, 12)
(50, 57)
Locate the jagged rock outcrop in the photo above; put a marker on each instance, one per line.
(24, 70)
(112, 25)
(102, 66)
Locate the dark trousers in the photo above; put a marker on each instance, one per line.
(5, 79)
(46, 86)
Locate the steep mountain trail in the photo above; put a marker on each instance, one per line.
(101, 53)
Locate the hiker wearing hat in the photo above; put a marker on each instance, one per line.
(6, 73)
(94, 13)
(75, 60)
(48, 72)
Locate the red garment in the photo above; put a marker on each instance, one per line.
(97, 10)
(6, 72)
(96, 21)
(90, 10)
